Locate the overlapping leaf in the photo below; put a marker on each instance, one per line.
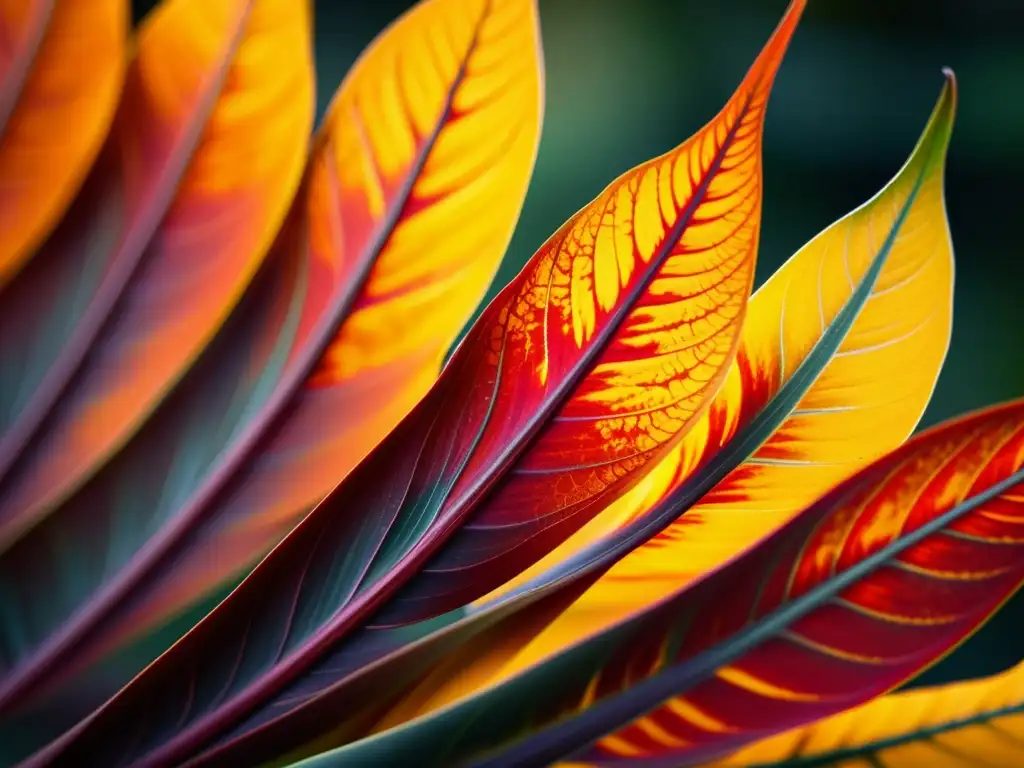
(399, 227)
(584, 370)
(205, 154)
(859, 592)
(978, 722)
(904, 315)
(61, 65)
(838, 358)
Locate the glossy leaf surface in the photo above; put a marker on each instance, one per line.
(650, 279)
(978, 722)
(405, 221)
(202, 163)
(861, 591)
(61, 65)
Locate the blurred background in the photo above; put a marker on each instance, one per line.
(629, 79)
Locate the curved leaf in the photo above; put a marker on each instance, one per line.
(651, 277)
(61, 65)
(205, 155)
(837, 362)
(864, 589)
(977, 722)
(857, 376)
(398, 230)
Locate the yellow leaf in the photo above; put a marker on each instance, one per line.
(978, 722)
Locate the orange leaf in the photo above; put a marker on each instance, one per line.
(394, 237)
(205, 155)
(583, 371)
(61, 66)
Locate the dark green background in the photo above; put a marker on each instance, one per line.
(628, 79)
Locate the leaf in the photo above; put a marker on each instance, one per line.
(911, 290)
(542, 370)
(398, 230)
(863, 590)
(977, 722)
(61, 65)
(838, 359)
(205, 155)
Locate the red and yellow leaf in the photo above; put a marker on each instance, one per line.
(871, 362)
(977, 722)
(896, 248)
(409, 221)
(268, 420)
(587, 368)
(205, 155)
(863, 590)
(61, 66)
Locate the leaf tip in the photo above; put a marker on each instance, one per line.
(949, 90)
(940, 126)
(771, 57)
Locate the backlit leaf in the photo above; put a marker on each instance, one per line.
(839, 355)
(899, 320)
(204, 158)
(395, 236)
(589, 366)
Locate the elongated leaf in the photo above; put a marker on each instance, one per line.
(651, 277)
(918, 247)
(395, 237)
(978, 722)
(861, 591)
(54, 574)
(838, 359)
(500, 636)
(204, 158)
(842, 394)
(61, 65)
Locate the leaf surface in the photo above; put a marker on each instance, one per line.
(622, 325)
(863, 590)
(204, 158)
(978, 722)
(61, 65)
(396, 234)
(911, 290)
(837, 362)
(891, 282)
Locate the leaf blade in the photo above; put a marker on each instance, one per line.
(250, 442)
(438, 476)
(64, 67)
(712, 494)
(185, 166)
(958, 482)
(818, 419)
(902, 728)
